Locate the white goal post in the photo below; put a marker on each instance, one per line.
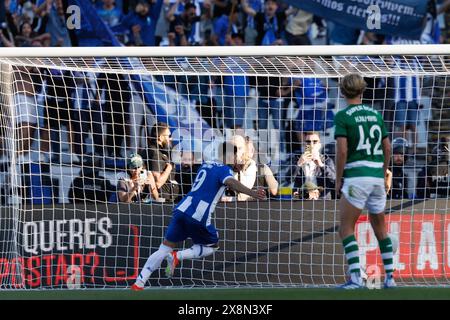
(239, 51)
(72, 117)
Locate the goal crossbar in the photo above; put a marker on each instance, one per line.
(298, 61)
(356, 50)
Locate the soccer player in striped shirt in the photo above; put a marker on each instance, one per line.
(362, 159)
(192, 216)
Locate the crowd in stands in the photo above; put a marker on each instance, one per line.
(27, 23)
(222, 101)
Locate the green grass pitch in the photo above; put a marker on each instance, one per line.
(409, 293)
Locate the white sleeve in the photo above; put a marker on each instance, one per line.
(248, 179)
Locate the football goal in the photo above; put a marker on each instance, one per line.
(97, 145)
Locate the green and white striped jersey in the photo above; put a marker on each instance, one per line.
(364, 129)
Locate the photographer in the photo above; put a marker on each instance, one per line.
(317, 169)
(134, 187)
(159, 161)
(248, 171)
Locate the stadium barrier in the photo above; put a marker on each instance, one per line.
(101, 246)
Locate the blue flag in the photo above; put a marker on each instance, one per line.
(93, 30)
(403, 18)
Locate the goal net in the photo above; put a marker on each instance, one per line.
(98, 145)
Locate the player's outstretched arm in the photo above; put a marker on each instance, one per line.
(235, 185)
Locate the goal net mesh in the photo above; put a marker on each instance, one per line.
(71, 128)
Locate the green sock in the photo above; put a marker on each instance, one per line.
(352, 253)
(387, 255)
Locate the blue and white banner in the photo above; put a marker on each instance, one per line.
(403, 18)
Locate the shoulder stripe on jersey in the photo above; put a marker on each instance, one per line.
(226, 178)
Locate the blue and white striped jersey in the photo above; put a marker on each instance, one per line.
(206, 191)
(407, 88)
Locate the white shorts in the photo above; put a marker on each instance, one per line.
(26, 109)
(365, 192)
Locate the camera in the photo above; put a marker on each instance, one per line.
(143, 174)
(308, 148)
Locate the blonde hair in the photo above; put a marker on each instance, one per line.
(310, 133)
(352, 85)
